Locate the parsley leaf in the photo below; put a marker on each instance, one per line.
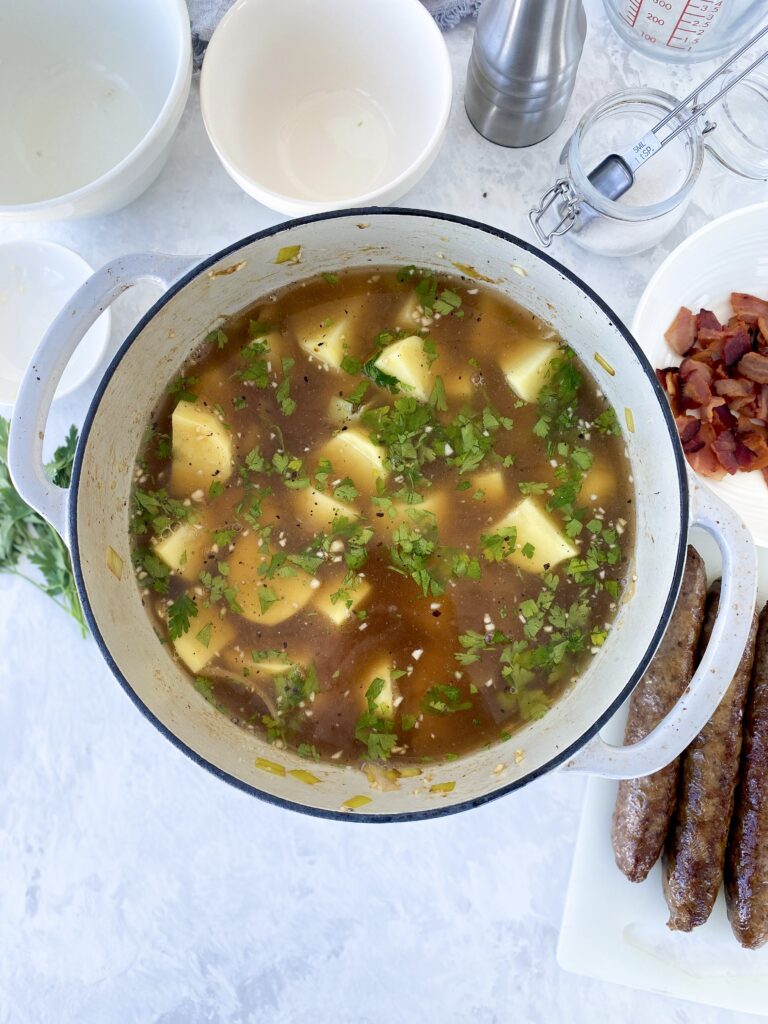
(181, 388)
(154, 511)
(374, 730)
(444, 700)
(217, 338)
(204, 635)
(499, 545)
(295, 687)
(180, 612)
(25, 534)
(411, 550)
(379, 377)
(345, 491)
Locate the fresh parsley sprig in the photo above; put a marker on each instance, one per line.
(25, 535)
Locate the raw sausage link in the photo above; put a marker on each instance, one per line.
(644, 806)
(746, 865)
(709, 770)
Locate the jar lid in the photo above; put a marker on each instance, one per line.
(740, 141)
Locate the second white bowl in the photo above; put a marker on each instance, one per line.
(315, 107)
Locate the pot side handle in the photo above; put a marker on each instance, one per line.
(718, 664)
(30, 411)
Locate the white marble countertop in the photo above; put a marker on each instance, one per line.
(137, 887)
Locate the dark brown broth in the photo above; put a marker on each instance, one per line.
(395, 621)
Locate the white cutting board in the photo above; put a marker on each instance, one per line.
(616, 930)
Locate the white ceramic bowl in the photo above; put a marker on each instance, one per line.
(728, 255)
(91, 92)
(36, 281)
(317, 106)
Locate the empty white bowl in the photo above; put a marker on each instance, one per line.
(319, 106)
(91, 92)
(36, 280)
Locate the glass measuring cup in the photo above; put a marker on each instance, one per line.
(684, 31)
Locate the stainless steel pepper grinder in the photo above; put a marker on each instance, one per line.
(523, 66)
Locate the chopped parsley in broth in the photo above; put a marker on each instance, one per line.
(384, 515)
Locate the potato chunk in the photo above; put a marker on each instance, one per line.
(410, 314)
(264, 329)
(318, 511)
(202, 448)
(407, 361)
(526, 367)
(342, 412)
(329, 332)
(184, 549)
(266, 601)
(385, 702)
(599, 483)
(537, 528)
(254, 664)
(353, 454)
(491, 483)
(349, 599)
(386, 520)
(208, 633)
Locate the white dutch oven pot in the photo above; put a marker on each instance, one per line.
(92, 516)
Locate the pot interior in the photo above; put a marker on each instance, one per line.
(223, 286)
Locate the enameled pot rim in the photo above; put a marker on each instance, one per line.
(560, 756)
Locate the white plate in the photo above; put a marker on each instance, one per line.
(616, 930)
(36, 280)
(728, 255)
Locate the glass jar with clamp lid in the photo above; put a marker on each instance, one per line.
(618, 200)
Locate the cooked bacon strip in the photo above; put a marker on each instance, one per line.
(689, 367)
(754, 366)
(749, 307)
(708, 411)
(735, 346)
(696, 378)
(681, 332)
(705, 462)
(706, 335)
(688, 427)
(751, 455)
(724, 447)
(725, 417)
(719, 393)
(734, 388)
(707, 321)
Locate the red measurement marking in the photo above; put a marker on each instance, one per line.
(635, 6)
(677, 23)
(695, 18)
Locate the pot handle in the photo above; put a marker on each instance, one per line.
(30, 411)
(717, 666)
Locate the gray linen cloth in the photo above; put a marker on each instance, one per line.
(205, 14)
